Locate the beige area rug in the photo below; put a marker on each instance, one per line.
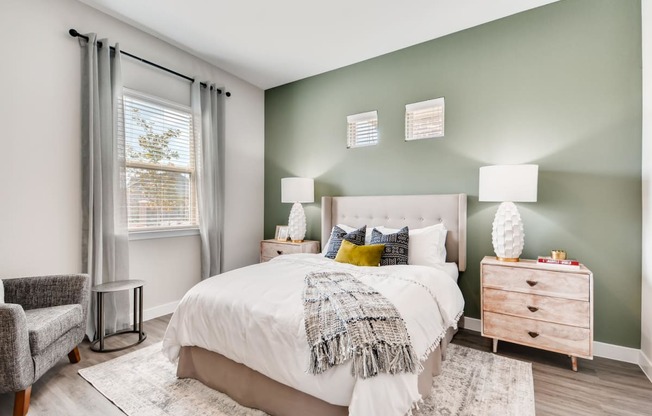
(472, 382)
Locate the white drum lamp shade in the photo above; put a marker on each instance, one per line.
(508, 184)
(296, 191)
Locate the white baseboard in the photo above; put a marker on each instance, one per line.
(472, 324)
(616, 352)
(160, 310)
(600, 349)
(156, 311)
(646, 365)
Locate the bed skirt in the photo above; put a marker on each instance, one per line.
(253, 389)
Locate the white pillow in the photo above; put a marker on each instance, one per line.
(426, 247)
(2, 292)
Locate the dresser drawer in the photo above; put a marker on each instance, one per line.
(274, 248)
(546, 335)
(537, 281)
(541, 308)
(271, 250)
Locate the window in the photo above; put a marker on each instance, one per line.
(424, 120)
(362, 130)
(160, 162)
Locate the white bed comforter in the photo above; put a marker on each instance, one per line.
(254, 316)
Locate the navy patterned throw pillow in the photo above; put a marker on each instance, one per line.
(338, 234)
(396, 246)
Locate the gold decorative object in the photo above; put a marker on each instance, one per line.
(558, 254)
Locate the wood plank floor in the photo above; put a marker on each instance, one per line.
(601, 387)
(63, 392)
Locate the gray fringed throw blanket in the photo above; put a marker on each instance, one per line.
(345, 319)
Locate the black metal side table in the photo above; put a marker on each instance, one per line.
(100, 290)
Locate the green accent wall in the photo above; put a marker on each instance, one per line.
(559, 86)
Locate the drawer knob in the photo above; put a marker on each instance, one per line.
(533, 308)
(532, 282)
(533, 334)
(279, 252)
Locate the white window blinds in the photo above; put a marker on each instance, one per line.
(424, 120)
(160, 160)
(362, 129)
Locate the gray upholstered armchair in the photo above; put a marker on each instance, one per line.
(43, 319)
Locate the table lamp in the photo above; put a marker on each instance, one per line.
(296, 191)
(508, 184)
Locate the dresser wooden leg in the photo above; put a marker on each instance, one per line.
(574, 363)
(495, 345)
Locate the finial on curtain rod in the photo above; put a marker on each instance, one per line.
(75, 34)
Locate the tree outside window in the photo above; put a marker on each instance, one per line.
(160, 165)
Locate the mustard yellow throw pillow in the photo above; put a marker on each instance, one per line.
(360, 255)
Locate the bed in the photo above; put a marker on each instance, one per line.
(242, 332)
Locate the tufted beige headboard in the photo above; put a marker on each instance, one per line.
(415, 211)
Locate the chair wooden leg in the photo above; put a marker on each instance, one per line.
(21, 402)
(74, 356)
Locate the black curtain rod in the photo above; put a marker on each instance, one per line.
(76, 34)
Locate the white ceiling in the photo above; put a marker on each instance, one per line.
(273, 42)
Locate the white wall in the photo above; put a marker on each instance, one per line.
(646, 289)
(40, 208)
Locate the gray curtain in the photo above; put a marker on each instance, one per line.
(105, 250)
(208, 116)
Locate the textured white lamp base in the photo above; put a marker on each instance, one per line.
(507, 233)
(297, 223)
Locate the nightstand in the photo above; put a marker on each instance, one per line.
(273, 248)
(540, 306)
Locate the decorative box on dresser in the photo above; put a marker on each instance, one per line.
(541, 306)
(273, 248)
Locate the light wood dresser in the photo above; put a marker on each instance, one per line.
(273, 248)
(539, 306)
